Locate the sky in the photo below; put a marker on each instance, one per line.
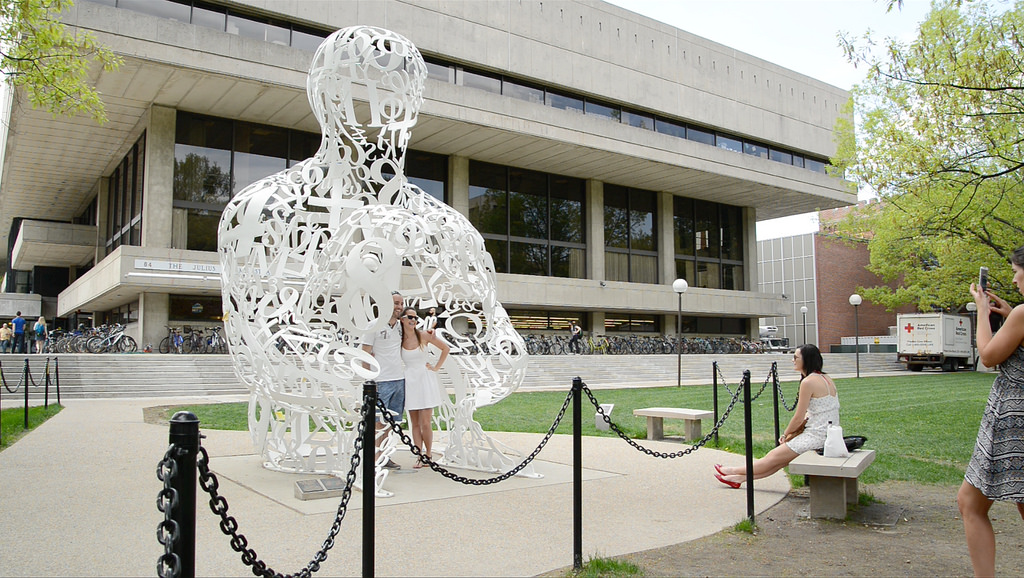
(800, 35)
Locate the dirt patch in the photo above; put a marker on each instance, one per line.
(157, 414)
(913, 530)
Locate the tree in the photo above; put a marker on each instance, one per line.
(39, 55)
(940, 142)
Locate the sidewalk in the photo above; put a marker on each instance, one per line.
(80, 500)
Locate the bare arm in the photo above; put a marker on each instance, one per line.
(800, 413)
(995, 349)
(433, 339)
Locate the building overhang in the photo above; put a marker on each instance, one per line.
(52, 244)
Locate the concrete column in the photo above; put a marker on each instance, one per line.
(750, 280)
(597, 322)
(458, 184)
(666, 239)
(158, 191)
(102, 206)
(154, 311)
(595, 232)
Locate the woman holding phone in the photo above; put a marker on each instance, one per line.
(996, 470)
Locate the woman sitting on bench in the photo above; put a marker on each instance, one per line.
(817, 405)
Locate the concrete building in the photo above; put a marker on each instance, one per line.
(602, 155)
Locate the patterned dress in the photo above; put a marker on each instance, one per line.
(820, 411)
(997, 466)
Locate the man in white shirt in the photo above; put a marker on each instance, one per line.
(386, 346)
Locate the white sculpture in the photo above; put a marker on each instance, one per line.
(310, 256)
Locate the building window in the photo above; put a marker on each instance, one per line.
(124, 205)
(532, 222)
(195, 309)
(708, 242)
(528, 321)
(630, 235)
(624, 323)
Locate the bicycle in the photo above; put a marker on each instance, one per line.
(194, 342)
(215, 343)
(173, 342)
(113, 340)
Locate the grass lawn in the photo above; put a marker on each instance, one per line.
(923, 427)
(12, 421)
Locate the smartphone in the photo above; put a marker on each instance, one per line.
(983, 278)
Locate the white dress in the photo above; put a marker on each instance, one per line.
(422, 390)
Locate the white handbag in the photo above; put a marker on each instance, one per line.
(835, 446)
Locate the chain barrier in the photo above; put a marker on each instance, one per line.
(764, 385)
(3, 379)
(783, 397)
(461, 479)
(169, 564)
(608, 420)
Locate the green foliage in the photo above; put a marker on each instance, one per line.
(746, 526)
(39, 55)
(923, 426)
(940, 143)
(598, 567)
(12, 421)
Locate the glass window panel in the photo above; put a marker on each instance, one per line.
(668, 127)
(709, 325)
(528, 204)
(115, 201)
(301, 146)
(602, 110)
(643, 324)
(798, 161)
(814, 165)
(564, 102)
(567, 211)
(734, 326)
(260, 150)
(638, 120)
(643, 206)
(616, 266)
(127, 188)
(438, 71)
(706, 229)
(616, 217)
(568, 262)
(687, 269)
(700, 135)
(709, 275)
(499, 252)
(161, 8)
(264, 31)
(615, 323)
(682, 222)
(429, 172)
(755, 149)
(528, 258)
(732, 277)
(643, 268)
(732, 233)
(481, 81)
(209, 18)
(522, 92)
(728, 143)
(487, 198)
(307, 40)
(202, 230)
(780, 157)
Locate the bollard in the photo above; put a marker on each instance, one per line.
(46, 384)
(185, 436)
(749, 434)
(24, 379)
(714, 393)
(775, 399)
(577, 474)
(56, 374)
(369, 474)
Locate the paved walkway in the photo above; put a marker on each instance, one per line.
(79, 499)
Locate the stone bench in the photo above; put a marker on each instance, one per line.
(833, 481)
(691, 420)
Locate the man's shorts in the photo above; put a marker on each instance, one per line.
(392, 393)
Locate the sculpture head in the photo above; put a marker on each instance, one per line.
(375, 66)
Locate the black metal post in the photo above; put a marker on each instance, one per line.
(748, 432)
(46, 384)
(714, 393)
(679, 348)
(56, 374)
(856, 331)
(577, 474)
(369, 475)
(775, 399)
(24, 379)
(185, 436)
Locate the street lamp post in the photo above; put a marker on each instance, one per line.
(972, 308)
(679, 286)
(855, 300)
(803, 310)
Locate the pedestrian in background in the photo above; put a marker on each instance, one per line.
(40, 330)
(5, 338)
(19, 334)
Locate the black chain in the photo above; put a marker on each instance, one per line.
(759, 392)
(228, 524)
(783, 397)
(4, 380)
(650, 452)
(28, 372)
(167, 532)
(461, 479)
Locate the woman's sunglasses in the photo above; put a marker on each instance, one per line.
(411, 317)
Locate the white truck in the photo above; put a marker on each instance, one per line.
(934, 340)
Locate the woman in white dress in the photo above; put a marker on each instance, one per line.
(422, 389)
(817, 406)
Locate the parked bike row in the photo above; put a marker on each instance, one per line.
(639, 345)
(193, 340)
(102, 339)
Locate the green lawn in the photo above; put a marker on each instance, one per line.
(12, 421)
(922, 426)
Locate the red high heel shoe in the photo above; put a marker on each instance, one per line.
(733, 485)
(718, 468)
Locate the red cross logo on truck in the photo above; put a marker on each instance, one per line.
(909, 327)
